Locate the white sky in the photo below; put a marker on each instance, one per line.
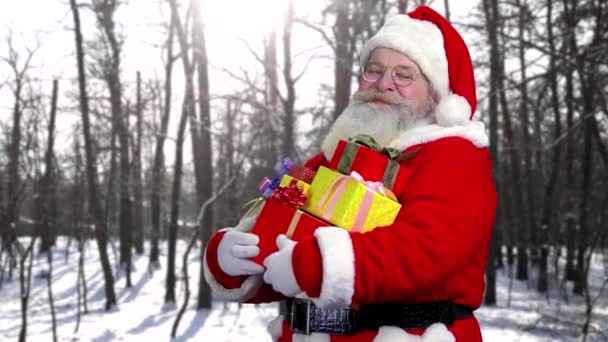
(227, 23)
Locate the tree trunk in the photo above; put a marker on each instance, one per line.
(25, 285)
(343, 62)
(268, 153)
(110, 208)
(402, 5)
(78, 230)
(95, 205)
(159, 159)
(527, 233)
(188, 111)
(104, 11)
(9, 236)
(289, 102)
(588, 70)
(205, 146)
(550, 198)
(190, 104)
(138, 225)
(175, 196)
(516, 179)
(582, 240)
(49, 284)
(571, 187)
(48, 188)
(491, 25)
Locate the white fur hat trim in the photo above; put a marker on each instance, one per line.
(423, 44)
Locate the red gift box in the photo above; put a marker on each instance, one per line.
(371, 164)
(278, 218)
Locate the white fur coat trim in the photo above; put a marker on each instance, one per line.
(338, 260)
(474, 131)
(275, 327)
(435, 333)
(247, 290)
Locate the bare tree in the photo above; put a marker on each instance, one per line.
(515, 180)
(78, 228)
(104, 11)
(571, 50)
(290, 81)
(587, 70)
(48, 199)
(25, 283)
(19, 67)
(204, 150)
(94, 203)
(175, 197)
(185, 263)
(188, 112)
(551, 187)
(529, 225)
(489, 7)
(138, 222)
(159, 160)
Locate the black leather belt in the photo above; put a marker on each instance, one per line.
(305, 317)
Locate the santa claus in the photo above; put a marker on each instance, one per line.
(421, 278)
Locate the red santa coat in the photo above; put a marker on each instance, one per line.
(435, 251)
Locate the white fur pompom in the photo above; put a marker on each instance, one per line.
(452, 110)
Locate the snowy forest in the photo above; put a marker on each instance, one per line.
(124, 147)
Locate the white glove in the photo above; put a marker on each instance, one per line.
(279, 270)
(236, 248)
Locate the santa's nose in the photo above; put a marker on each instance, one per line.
(385, 83)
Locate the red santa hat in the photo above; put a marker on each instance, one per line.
(433, 43)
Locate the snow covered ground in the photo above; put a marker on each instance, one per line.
(141, 315)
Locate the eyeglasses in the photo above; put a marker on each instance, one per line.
(402, 76)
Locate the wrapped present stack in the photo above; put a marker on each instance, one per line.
(279, 208)
(355, 193)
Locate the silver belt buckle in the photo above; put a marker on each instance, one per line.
(292, 314)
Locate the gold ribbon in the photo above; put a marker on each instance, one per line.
(369, 141)
(294, 222)
(253, 207)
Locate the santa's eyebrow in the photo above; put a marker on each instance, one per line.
(402, 66)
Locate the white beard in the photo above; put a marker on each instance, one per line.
(383, 124)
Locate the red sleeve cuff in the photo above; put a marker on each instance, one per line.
(213, 265)
(308, 267)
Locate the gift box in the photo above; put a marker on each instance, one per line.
(375, 163)
(303, 173)
(278, 218)
(350, 202)
(267, 187)
(289, 180)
